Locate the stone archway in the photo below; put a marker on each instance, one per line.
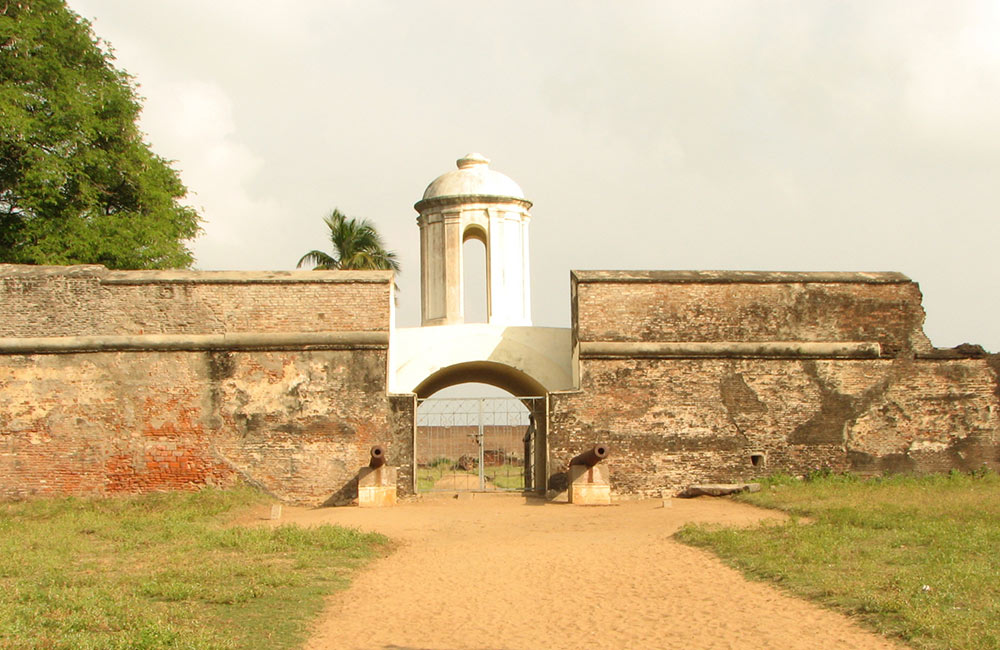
(530, 397)
(476, 202)
(502, 376)
(521, 360)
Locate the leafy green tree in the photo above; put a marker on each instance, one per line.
(77, 182)
(356, 245)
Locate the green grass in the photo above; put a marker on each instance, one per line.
(504, 477)
(428, 476)
(917, 558)
(165, 571)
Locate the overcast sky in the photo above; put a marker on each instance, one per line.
(860, 136)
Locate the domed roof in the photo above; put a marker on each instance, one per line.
(473, 177)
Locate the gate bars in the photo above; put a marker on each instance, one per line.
(476, 444)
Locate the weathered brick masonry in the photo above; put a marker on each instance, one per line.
(278, 378)
(135, 381)
(91, 300)
(722, 376)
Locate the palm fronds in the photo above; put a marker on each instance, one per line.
(357, 245)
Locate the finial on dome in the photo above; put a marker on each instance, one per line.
(472, 160)
(474, 177)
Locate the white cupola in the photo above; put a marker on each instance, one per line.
(474, 202)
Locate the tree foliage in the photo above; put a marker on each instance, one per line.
(77, 182)
(356, 245)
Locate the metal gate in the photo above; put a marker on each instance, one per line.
(476, 444)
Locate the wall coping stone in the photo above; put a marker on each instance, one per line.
(196, 342)
(176, 276)
(739, 277)
(730, 349)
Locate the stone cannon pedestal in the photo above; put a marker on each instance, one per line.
(589, 486)
(377, 487)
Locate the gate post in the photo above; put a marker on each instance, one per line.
(481, 439)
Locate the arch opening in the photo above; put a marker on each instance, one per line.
(481, 426)
(502, 376)
(474, 231)
(475, 280)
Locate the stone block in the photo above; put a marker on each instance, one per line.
(384, 476)
(719, 489)
(377, 496)
(590, 494)
(589, 486)
(377, 487)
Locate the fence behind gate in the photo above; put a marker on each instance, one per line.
(476, 443)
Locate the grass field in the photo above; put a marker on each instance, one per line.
(165, 571)
(428, 475)
(506, 477)
(500, 477)
(916, 558)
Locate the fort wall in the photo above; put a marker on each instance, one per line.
(131, 382)
(741, 306)
(135, 381)
(719, 376)
(89, 300)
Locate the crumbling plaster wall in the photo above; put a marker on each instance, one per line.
(698, 306)
(296, 418)
(672, 419)
(89, 300)
(297, 423)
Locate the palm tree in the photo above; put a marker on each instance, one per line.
(356, 246)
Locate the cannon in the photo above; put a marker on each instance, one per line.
(590, 457)
(377, 481)
(378, 457)
(588, 479)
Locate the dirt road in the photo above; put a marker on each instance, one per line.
(500, 571)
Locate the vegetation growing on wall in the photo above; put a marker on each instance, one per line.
(77, 182)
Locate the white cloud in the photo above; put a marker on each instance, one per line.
(823, 135)
(194, 121)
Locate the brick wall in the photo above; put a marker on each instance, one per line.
(297, 423)
(749, 306)
(91, 300)
(671, 421)
(300, 420)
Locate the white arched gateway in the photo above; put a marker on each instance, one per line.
(476, 202)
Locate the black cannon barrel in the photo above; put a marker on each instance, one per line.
(378, 457)
(591, 457)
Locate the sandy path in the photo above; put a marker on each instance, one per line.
(497, 571)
